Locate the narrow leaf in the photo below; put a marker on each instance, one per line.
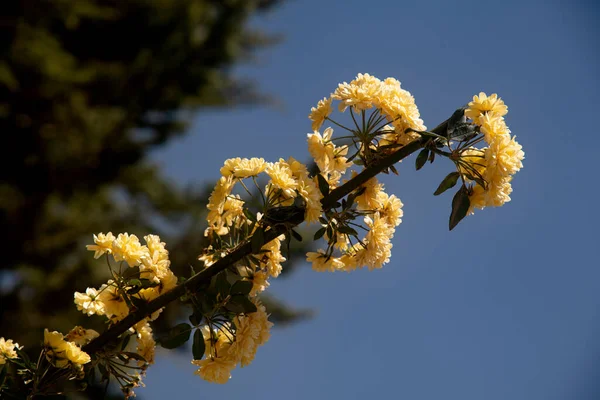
(421, 159)
(347, 230)
(177, 336)
(460, 206)
(296, 235)
(323, 185)
(319, 234)
(448, 183)
(198, 346)
(242, 287)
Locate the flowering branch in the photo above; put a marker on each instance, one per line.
(204, 277)
(228, 320)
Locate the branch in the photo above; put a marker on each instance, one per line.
(204, 277)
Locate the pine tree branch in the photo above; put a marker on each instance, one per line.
(245, 249)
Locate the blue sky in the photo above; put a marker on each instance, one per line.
(506, 306)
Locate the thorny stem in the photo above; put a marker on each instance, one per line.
(203, 277)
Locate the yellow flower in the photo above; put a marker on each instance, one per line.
(62, 353)
(145, 342)
(360, 94)
(282, 178)
(7, 350)
(399, 107)
(493, 126)
(251, 330)
(214, 369)
(89, 303)
(103, 244)
(370, 199)
(81, 336)
(216, 201)
(260, 282)
(483, 104)
(243, 167)
(114, 305)
(320, 263)
(308, 189)
(391, 209)
(272, 259)
(128, 248)
(320, 113)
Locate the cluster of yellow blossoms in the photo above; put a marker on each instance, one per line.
(109, 300)
(7, 350)
(392, 111)
(63, 351)
(498, 162)
(224, 350)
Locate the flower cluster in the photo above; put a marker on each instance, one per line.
(498, 162)
(7, 350)
(386, 116)
(393, 114)
(228, 345)
(66, 352)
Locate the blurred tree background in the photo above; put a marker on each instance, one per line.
(87, 89)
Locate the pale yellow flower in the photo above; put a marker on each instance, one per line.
(493, 126)
(88, 302)
(370, 199)
(61, 353)
(320, 113)
(103, 244)
(400, 108)
(129, 249)
(243, 167)
(272, 259)
(391, 209)
(260, 282)
(321, 263)
(7, 350)
(360, 94)
(282, 178)
(308, 189)
(145, 342)
(252, 330)
(81, 336)
(215, 369)
(217, 199)
(114, 304)
(483, 104)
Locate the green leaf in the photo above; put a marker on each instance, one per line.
(240, 304)
(198, 346)
(221, 284)
(457, 117)
(347, 230)
(177, 336)
(448, 183)
(195, 318)
(431, 157)
(319, 234)
(125, 342)
(258, 240)
(460, 206)
(242, 287)
(323, 185)
(421, 159)
(296, 235)
(250, 215)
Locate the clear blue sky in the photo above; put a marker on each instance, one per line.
(506, 306)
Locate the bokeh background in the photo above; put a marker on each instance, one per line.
(506, 306)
